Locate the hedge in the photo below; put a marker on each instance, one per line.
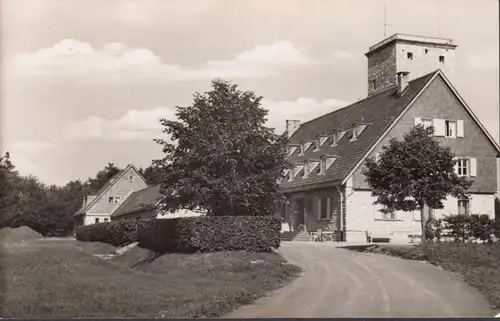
(118, 233)
(212, 234)
(476, 227)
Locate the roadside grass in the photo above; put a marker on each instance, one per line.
(478, 264)
(64, 279)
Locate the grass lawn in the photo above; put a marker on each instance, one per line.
(478, 264)
(51, 278)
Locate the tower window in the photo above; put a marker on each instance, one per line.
(409, 55)
(441, 59)
(426, 50)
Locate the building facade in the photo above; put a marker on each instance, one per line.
(325, 187)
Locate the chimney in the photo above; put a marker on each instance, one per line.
(403, 77)
(292, 126)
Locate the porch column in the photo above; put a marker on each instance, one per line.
(305, 212)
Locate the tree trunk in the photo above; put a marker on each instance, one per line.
(422, 222)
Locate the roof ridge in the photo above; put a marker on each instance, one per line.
(367, 97)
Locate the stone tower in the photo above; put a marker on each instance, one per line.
(415, 55)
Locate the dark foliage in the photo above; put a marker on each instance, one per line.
(212, 234)
(222, 158)
(463, 228)
(118, 233)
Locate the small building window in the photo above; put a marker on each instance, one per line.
(409, 55)
(324, 208)
(110, 199)
(96, 220)
(450, 128)
(462, 167)
(389, 215)
(106, 219)
(131, 178)
(463, 207)
(441, 59)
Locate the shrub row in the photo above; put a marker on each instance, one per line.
(118, 233)
(212, 234)
(463, 228)
(190, 234)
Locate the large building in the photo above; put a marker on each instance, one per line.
(408, 84)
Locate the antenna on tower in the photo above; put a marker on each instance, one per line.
(385, 20)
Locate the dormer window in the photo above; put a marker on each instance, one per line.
(337, 136)
(304, 146)
(309, 167)
(326, 162)
(322, 140)
(292, 149)
(316, 145)
(356, 131)
(295, 170)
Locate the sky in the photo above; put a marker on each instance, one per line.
(84, 82)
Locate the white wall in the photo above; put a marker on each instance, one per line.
(90, 218)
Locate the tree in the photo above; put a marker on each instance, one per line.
(151, 174)
(415, 172)
(94, 184)
(222, 158)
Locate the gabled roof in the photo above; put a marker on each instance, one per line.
(139, 200)
(112, 181)
(378, 112)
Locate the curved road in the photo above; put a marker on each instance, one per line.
(342, 283)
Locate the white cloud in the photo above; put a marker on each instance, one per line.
(73, 57)
(345, 57)
(144, 125)
(134, 125)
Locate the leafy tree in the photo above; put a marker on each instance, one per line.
(94, 184)
(415, 172)
(223, 159)
(151, 174)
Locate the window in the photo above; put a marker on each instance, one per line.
(409, 55)
(110, 199)
(96, 220)
(462, 167)
(356, 131)
(426, 122)
(463, 207)
(373, 84)
(324, 208)
(316, 145)
(105, 219)
(441, 59)
(337, 136)
(450, 128)
(114, 200)
(391, 215)
(131, 178)
(426, 50)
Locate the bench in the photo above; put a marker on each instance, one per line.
(378, 237)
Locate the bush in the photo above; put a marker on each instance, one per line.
(212, 234)
(477, 227)
(118, 233)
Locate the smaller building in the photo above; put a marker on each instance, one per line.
(125, 196)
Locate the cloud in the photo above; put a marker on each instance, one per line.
(134, 125)
(73, 57)
(144, 124)
(342, 57)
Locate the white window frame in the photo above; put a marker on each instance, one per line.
(426, 122)
(463, 167)
(463, 207)
(450, 131)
